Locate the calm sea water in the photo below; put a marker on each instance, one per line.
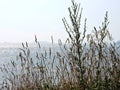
(10, 51)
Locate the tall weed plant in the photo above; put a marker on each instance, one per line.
(83, 62)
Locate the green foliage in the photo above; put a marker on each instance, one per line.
(84, 62)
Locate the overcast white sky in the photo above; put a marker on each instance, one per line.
(21, 20)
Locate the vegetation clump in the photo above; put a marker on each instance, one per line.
(83, 62)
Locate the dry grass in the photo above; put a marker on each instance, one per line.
(84, 62)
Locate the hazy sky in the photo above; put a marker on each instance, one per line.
(21, 20)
